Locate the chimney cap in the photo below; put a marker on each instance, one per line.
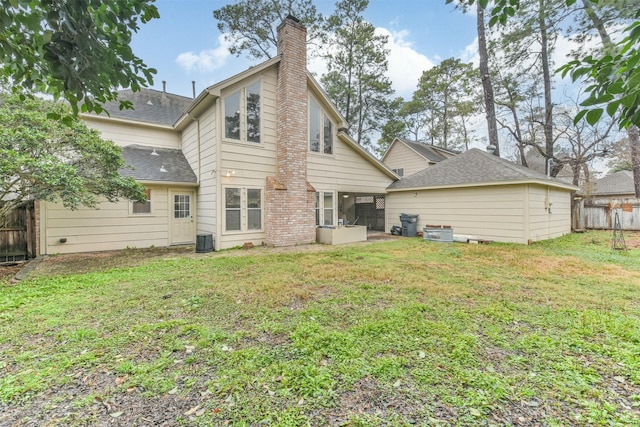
(292, 18)
(491, 149)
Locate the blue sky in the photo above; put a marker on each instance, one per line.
(185, 44)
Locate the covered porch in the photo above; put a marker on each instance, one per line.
(363, 209)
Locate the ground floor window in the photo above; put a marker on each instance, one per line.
(325, 207)
(140, 208)
(243, 209)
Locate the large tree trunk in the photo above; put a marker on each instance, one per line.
(634, 141)
(546, 75)
(597, 23)
(487, 87)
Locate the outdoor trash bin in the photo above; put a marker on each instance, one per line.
(409, 225)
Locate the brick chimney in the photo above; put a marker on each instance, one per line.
(290, 200)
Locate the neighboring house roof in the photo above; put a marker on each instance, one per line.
(536, 162)
(156, 164)
(430, 152)
(152, 106)
(616, 183)
(474, 168)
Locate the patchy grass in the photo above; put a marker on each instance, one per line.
(395, 333)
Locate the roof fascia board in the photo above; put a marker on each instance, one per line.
(216, 89)
(111, 119)
(488, 184)
(196, 107)
(326, 100)
(389, 149)
(169, 183)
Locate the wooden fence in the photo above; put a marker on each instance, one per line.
(17, 236)
(599, 216)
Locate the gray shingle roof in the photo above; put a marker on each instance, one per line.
(150, 105)
(429, 152)
(471, 167)
(145, 166)
(616, 183)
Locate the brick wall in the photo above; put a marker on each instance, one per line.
(290, 200)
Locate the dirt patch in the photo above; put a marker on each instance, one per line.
(632, 239)
(9, 271)
(99, 261)
(369, 397)
(98, 399)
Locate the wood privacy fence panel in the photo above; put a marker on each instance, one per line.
(17, 236)
(603, 216)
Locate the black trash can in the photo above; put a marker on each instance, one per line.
(204, 243)
(409, 225)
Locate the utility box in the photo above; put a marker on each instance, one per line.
(204, 243)
(409, 225)
(438, 233)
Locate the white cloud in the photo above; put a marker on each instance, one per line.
(470, 53)
(206, 60)
(405, 63)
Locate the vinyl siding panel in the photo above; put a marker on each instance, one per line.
(123, 134)
(493, 213)
(252, 162)
(345, 171)
(545, 225)
(208, 146)
(401, 156)
(108, 228)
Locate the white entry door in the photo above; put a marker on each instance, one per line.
(182, 224)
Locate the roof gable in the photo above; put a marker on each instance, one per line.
(431, 153)
(474, 167)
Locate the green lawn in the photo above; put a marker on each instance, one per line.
(394, 333)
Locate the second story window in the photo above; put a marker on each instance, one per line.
(320, 130)
(399, 171)
(242, 114)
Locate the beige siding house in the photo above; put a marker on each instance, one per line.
(258, 158)
(406, 157)
(482, 196)
(264, 158)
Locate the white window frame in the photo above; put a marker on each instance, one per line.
(243, 114)
(148, 202)
(244, 210)
(321, 208)
(322, 119)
